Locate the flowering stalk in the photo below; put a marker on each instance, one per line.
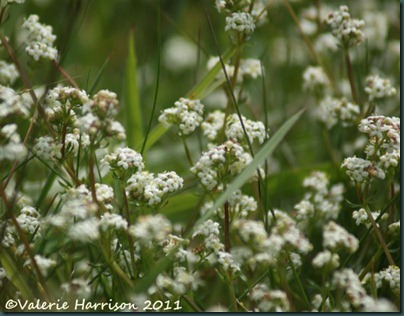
(348, 63)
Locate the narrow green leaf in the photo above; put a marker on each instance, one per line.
(197, 92)
(258, 160)
(15, 275)
(98, 77)
(134, 121)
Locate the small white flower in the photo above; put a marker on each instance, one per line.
(242, 22)
(378, 88)
(314, 78)
(40, 39)
(151, 228)
(335, 236)
(326, 258)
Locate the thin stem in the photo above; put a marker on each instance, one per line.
(187, 152)
(226, 227)
(380, 236)
(130, 239)
(64, 74)
(157, 78)
(351, 75)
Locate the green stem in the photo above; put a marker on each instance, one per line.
(226, 227)
(379, 236)
(187, 152)
(348, 63)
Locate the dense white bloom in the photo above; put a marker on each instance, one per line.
(210, 231)
(361, 217)
(381, 305)
(104, 193)
(186, 114)
(114, 221)
(44, 264)
(8, 73)
(326, 259)
(40, 39)
(332, 110)
(85, 231)
(255, 130)
(11, 147)
(241, 22)
(47, 149)
(322, 202)
(219, 163)
(251, 231)
(336, 236)
(60, 102)
(29, 221)
(314, 78)
(394, 228)
(269, 300)
(12, 103)
(124, 159)
(389, 276)
(227, 262)
(360, 170)
(378, 88)
(346, 29)
(250, 68)
(151, 228)
(75, 139)
(145, 187)
(348, 281)
(213, 124)
(326, 42)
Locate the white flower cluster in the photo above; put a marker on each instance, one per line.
(394, 229)
(336, 237)
(227, 262)
(240, 206)
(382, 150)
(147, 188)
(346, 29)
(322, 202)
(269, 300)
(77, 215)
(255, 130)
(348, 281)
(60, 103)
(75, 140)
(98, 116)
(4, 3)
(209, 230)
(182, 282)
(151, 228)
(40, 39)
(333, 110)
(361, 217)
(47, 149)
(11, 147)
(242, 22)
(314, 79)
(219, 163)
(379, 88)
(186, 114)
(114, 221)
(12, 103)
(326, 259)
(124, 159)
(8, 73)
(44, 264)
(389, 276)
(249, 68)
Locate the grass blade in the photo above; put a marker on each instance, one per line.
(134, 121)
(98, 77)
(258, 160)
